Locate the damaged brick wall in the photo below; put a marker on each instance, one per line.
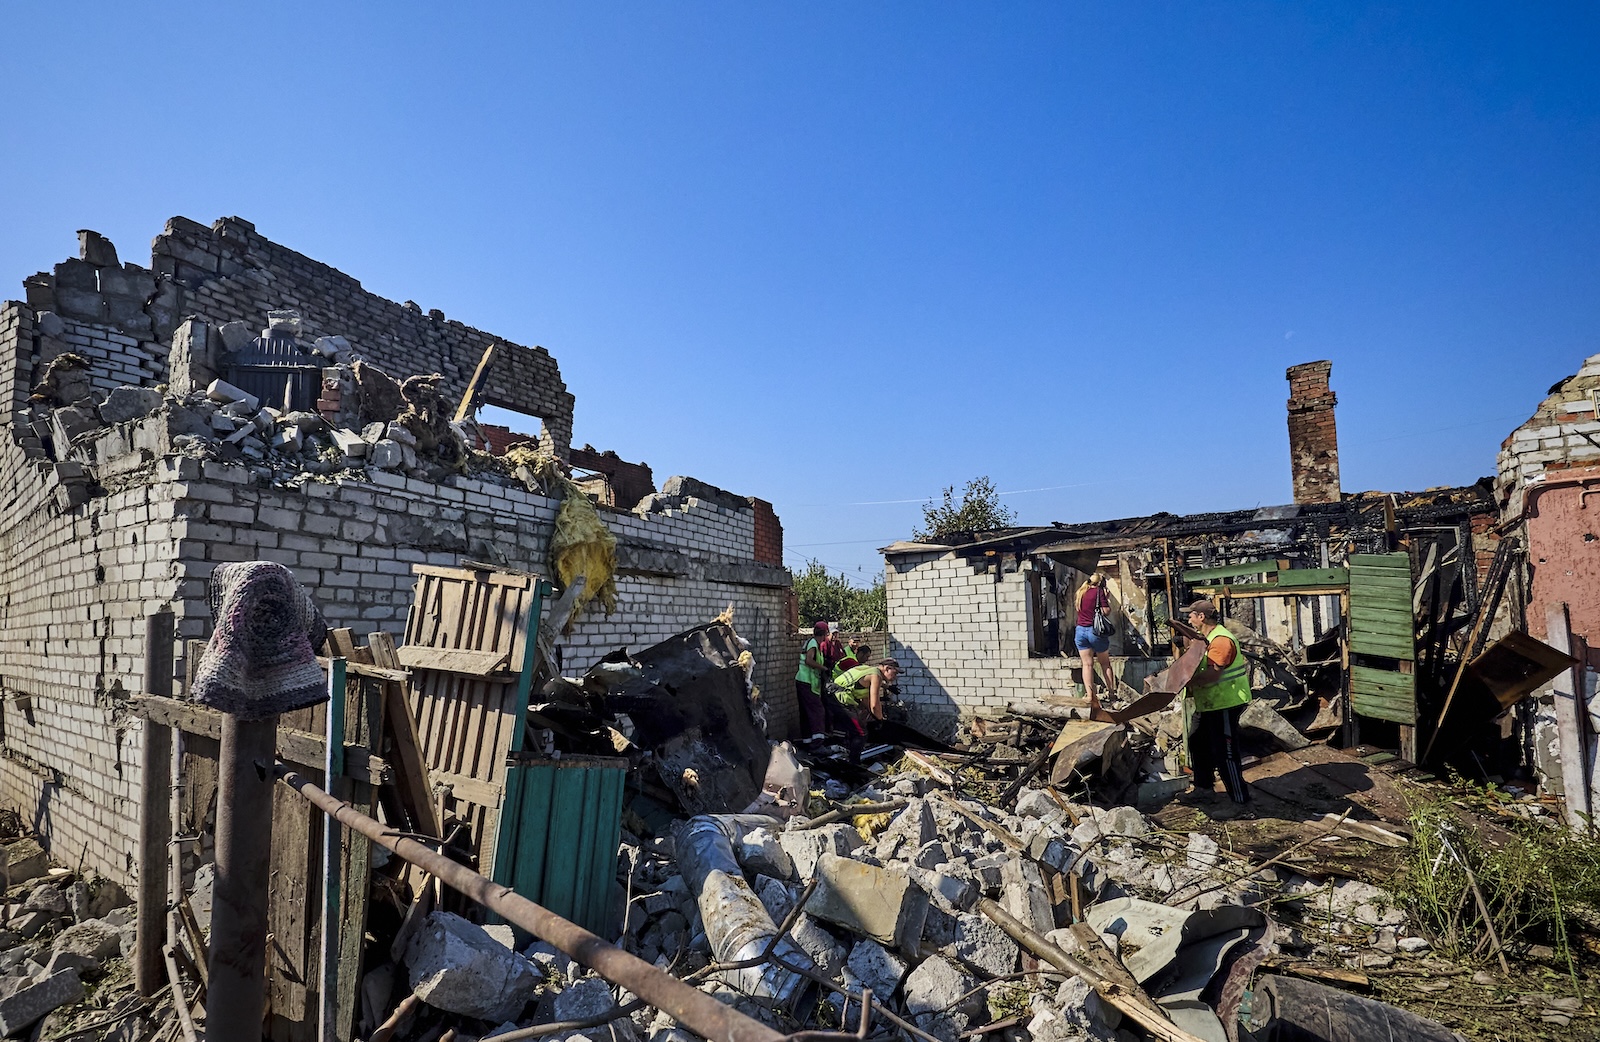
(1313, 439)
(88, 549)
(1547, 469)
(959, 628)
(229, 272)
(769, 533)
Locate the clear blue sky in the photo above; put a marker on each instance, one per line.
(842, 254)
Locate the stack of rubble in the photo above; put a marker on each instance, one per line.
(64, 944)
(956, 916)
(361, 418)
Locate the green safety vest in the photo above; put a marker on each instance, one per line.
(806, 674)
(1232, 688)
(851, 685)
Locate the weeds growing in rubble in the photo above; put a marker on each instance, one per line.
(1540, 882)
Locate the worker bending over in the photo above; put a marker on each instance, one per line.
(858, 695)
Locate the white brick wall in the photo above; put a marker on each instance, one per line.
(962, 639)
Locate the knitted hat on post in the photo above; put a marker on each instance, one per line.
(261, 660)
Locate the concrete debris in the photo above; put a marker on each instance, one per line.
(873, 902)
(454, 965)
(32, 1001)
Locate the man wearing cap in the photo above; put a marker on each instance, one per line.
(1221, 690)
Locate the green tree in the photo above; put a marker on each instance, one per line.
(980, 511)
(826, 597)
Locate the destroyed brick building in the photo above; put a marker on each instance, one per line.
(984, 623)
(125, 486)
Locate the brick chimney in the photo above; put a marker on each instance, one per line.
(1313, 441)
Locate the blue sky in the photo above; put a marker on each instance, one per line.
(846, 254)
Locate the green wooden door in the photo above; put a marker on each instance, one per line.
(1381, 627)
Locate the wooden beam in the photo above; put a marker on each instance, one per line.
(480, 376)
(465, 661)
(301, 748)
(155, 835)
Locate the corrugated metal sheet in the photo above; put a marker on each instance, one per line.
(565, 820)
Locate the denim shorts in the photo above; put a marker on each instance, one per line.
(1085, 639)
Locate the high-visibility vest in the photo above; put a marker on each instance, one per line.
(806, 674)
(1230, 689)
(851, 685)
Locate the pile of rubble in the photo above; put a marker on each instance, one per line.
(956, 916)
(64, 943)
(352, 416)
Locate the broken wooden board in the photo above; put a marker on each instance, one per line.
(466, 661)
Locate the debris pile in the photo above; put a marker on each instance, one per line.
(65, 939)
(315, 412)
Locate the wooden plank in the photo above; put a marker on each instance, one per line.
(292, 915)
(1243, 591)
(1398, 708)
(455, 660)
(1313, 577)
(340, 643)
(469, 789)
(295, 747)
(1377, 681)
(494, 576)
(1397, 561)
(1387, 647)
(480, 376)
(411, 771)
(363, 725)
(1381, 619)
(1232, 571)
(368, 669)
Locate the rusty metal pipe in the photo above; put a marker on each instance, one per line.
(695, 1010)
(385, 1031)
(236, 986)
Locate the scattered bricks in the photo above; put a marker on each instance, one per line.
(385, 454)
(980, 943)
(70, 422)
(236, 336)
(46, 897)
(827, 953)
(759, 851)
(29, 924)
(130, 403)
(806, 847)
(1124, 821)
(1024, 895)
(950, 893)
(350, 443)
(874, 902)
(31, 1002)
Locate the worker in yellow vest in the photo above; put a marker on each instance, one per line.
(857, 695)
(1220, 689)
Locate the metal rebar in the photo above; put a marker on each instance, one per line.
(696, 1010)
(236, 989)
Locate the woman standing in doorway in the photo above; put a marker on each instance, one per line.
(1093, 647)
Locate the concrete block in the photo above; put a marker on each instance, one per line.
(130, 403)
(873, 902)
(222, 391)
(31, 1002)
(876, 967)
(92, 938)
(941, 999)
(456, 966)
(980, 943)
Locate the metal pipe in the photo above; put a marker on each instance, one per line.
(385, 1031)
(236, 991)
(737, 923)
(697, 1011)
(180, 1003)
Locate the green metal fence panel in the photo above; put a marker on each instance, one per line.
(567, 828)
